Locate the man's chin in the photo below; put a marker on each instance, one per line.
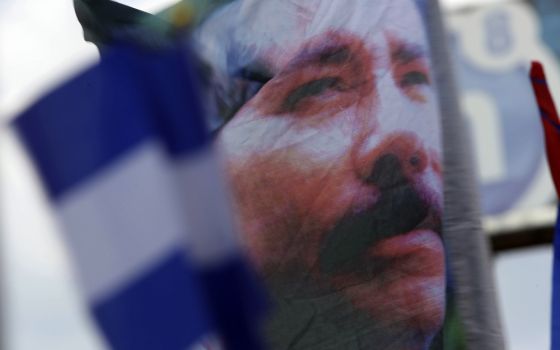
(409, 290)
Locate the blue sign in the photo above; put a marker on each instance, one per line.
(499, 105)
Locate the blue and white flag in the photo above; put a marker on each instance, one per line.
(126, 161)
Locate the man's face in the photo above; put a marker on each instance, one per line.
(335, 162)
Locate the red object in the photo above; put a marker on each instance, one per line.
(550, 121)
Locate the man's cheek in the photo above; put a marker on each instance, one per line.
(250, 133)
(278, 201)
(286, 140)
(264, 208)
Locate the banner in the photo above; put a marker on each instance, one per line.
(332, 138)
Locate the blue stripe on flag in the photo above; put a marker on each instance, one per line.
(549, 120)
(173, 84)
(234, 281)
(162, 310)
(83, 126)
(73, 132)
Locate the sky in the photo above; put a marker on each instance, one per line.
(40, 44)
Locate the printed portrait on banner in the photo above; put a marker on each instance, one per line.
(330, 129)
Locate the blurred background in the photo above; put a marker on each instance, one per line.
(492, 43)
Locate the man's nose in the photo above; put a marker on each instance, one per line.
(396, 161)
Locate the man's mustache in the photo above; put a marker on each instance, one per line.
(400, 209)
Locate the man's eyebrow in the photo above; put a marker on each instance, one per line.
(405, 53)
(331, 55)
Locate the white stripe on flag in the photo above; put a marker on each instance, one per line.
(209, 342)
(122, 221)
(211, 237)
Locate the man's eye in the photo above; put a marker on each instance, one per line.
(312, 88)
(414, 78)
(254, 78)
(255, 74)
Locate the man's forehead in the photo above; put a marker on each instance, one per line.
(311, 17)
(273, 31)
